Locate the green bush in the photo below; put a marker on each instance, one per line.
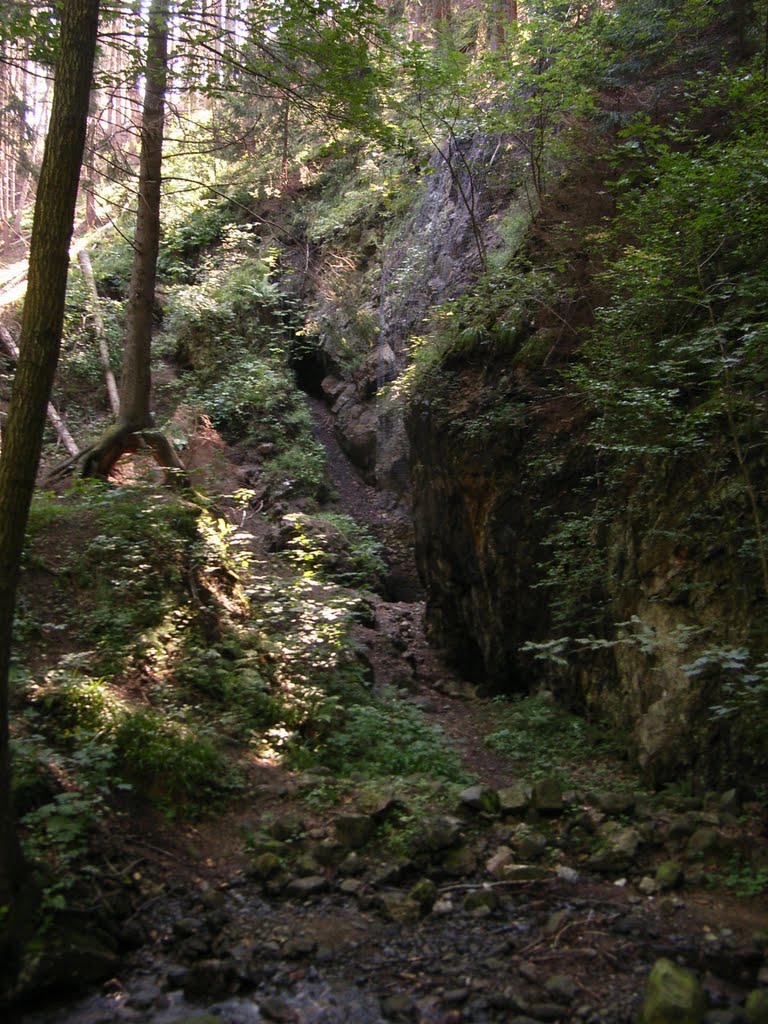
(235, 309)
(298, 470)
(185, 239)
(539, 735)
(333, 546)
(185, 764)
(135, 564)
(91, 716)
(251, 399)
(390, 738)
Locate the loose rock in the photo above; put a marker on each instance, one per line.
(756, 1010)
(673, 996)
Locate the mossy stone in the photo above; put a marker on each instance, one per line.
(481, 898)
(669, 875)
(548, 796)
(673, 996)
(424, 892)
(482, 799)
(353, 831)
(756, 1010)
(265, 865)
(459, 862)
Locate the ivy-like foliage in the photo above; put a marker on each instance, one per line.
(678, 355)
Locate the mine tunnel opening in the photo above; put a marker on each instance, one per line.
(310, 369)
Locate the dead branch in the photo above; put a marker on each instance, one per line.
(101, 336)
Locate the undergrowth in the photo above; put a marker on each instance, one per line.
(164, 663)
(544, 739)
(390, 738)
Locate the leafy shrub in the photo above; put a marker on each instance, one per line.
(131, 562)
(79, 704)
(241, 692)
(112, 262)
(739, 682)
(250, 399)
(186, 764)
(148, 542)
(335, 547)
(298, 469)
(256, 401)
(185, 239)
(746, 880)
(236, 308)
(539, 734)
(91, 715)
(390, 738)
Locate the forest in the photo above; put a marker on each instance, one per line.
(383, 511)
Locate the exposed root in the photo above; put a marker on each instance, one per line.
(99, 459)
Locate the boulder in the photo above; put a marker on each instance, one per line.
(617, 849)
(756, 1010)
(682, 826)
(515, 799)
(439, 833)
(561, 988)
(480, 900)
(424, 892)
(703, 843)
(530, 845)
(498, 862)
(459, 862)
(669, 875)
(354, 830)
(482, 799)
(673, 996)
(265, 865)
(398, 907)
(330, 852)
(648, 886)
(615, 803)
(309, 885)
(547, 796)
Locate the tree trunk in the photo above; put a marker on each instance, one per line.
(39, 352)
(133, 429)
(136, 383)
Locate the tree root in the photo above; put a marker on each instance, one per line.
(99, 459)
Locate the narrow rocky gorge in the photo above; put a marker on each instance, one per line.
(430, 684)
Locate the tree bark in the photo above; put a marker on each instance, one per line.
(133, 429)
(39, 352)
(136, 382)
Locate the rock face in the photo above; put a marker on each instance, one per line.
(618, 605)
(481, 519)
(497, 455)
(431, 257)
